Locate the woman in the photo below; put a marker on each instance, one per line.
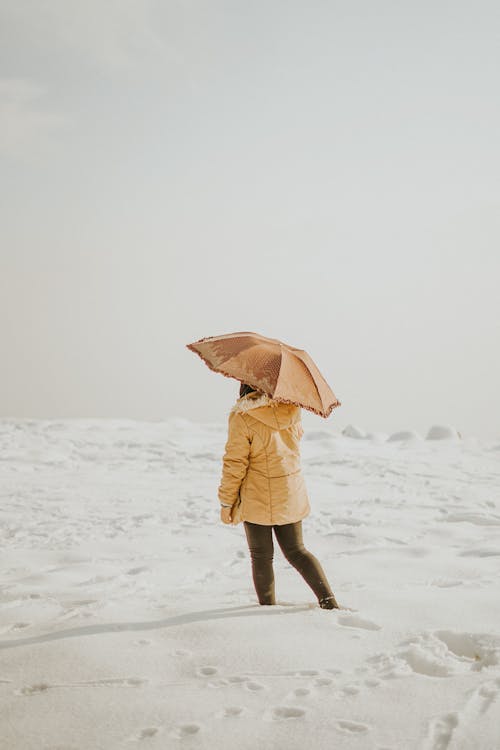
(261, 465)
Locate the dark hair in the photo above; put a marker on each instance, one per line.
(245, 388)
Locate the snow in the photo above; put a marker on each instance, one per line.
(128, 615)
(354, 432)
(442, 432)
(408, 435)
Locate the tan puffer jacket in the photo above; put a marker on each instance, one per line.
(262, 461)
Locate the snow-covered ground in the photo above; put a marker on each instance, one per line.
(129, 617)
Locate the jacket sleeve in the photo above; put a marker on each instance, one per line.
(235, 460)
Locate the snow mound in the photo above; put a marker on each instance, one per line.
(442, 432)
(404, 435)
(377, 437)
(180, 423)
(443, 653)
(318, 435)
(478, 650)
(354, 432)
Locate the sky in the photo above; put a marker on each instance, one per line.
(323, 173)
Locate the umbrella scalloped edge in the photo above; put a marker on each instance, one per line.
(324, 414)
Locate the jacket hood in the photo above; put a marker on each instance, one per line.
(275, 414)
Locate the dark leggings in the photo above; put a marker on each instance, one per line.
(289, 536)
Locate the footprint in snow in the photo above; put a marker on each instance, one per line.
(304, 673)
(283, 713)
(186, 730)
(231, 712)
(441, 731)
(207, 671)
(300, 692)
(136, 571)
(482, 552)
(254, 686)
(145, 734)
(323, 681)
(212, 672)
(80, 603)
(353, 621)
(350, 690)
(39, 687)
(238, 558)
(352, 727)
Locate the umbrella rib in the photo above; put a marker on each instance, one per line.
(312, 377)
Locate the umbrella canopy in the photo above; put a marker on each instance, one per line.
(285, 373)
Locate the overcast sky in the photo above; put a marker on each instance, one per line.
(326, 173)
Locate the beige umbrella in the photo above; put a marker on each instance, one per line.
(285, 373)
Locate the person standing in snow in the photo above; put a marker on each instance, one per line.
(261, 467)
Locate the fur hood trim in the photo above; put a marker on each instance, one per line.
(280, 417)
(253, 401)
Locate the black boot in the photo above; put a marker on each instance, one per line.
(328, 602)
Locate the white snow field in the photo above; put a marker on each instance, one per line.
(129, 618)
